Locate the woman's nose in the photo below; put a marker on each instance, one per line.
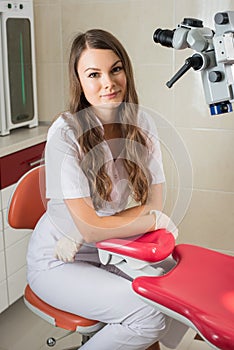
(108, 81)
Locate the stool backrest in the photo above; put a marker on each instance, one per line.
(28, 202)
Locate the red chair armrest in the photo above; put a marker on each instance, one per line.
(151, 247)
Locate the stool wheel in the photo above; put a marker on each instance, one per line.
(51, 342)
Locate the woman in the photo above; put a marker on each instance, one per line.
(99, 155)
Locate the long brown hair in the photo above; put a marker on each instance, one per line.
(89, 134)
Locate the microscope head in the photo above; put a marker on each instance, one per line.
(214, 56)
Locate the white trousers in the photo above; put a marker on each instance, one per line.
(93, 292)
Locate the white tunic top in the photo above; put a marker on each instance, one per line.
(65, 180)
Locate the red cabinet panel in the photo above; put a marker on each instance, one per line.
(14, 165)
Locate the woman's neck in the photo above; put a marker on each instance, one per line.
(106, 114)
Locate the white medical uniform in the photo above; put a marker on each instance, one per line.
(86, 287)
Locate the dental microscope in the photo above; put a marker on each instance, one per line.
(213, 57)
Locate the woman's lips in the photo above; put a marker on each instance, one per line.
(111, 95)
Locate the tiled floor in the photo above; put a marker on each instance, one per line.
(20, 329)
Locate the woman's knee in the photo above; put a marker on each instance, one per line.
(150, 323)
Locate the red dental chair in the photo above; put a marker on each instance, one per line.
(198, 291)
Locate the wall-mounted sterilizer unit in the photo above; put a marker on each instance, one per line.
(18, 96)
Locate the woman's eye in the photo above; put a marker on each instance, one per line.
(117, 69)
(93, 75)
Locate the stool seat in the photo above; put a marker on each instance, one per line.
(58, 317)
(200, 289)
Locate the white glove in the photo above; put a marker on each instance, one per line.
(66, 249)
(163, 221)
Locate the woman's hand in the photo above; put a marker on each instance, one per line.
(66, 249)
(163, 221)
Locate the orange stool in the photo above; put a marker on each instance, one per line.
(27, 204)
(59, 318)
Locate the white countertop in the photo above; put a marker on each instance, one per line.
(22, 138)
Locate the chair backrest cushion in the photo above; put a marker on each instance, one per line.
(28, 202)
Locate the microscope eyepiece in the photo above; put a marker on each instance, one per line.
(163, 37)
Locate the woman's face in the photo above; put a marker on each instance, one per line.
(102, 77)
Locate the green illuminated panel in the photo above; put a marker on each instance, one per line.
(20, 69)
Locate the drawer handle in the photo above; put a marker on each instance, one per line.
(36, 162)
